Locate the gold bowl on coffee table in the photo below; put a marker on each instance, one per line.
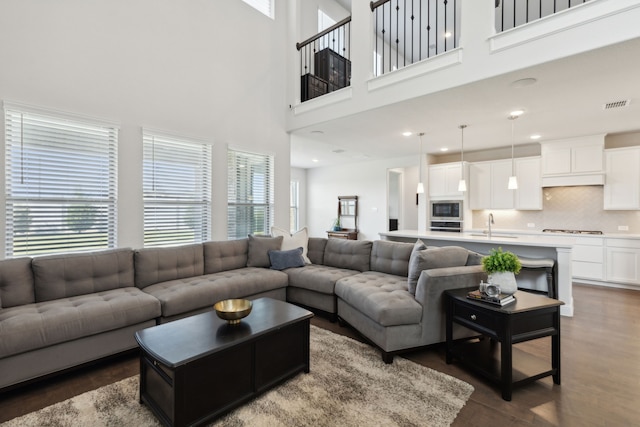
(233, 310)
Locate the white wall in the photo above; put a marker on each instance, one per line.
(213, 70)
(368, 181)
(300, 175)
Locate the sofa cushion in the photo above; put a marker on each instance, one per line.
(68, 275)
(433, 257)
(225, 255)
(16, 282)
(317, 278)
(316, 249)
(194, 293)
(258, 253)
(43, 324)
(391, 257)
(384, 298)
(349, 254)
(155, 265)
(281, 260)
(299, 239)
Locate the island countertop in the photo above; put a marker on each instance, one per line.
(497, 238)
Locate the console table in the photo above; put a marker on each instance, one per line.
(530, 317)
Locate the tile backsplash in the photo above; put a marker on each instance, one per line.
(574, 208)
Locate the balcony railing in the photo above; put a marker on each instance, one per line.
(324, 61)
(408, 31)
(512, 13)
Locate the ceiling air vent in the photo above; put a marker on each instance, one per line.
(616, 104)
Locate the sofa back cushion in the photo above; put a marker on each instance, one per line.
(423, 258)
(225, 255)
(16, 282)
(69, 275)
(259, 247)
(349, 254)
(391, 257)
(155, 265)
(316, 248)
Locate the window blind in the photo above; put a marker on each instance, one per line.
(177, 190)
(264, 6)
(60, 183)
(250, 194)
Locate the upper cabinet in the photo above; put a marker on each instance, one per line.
(622, 189)
(444, 179)
(575, 161)
(488, 189)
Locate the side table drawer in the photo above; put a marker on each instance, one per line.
(476, 319)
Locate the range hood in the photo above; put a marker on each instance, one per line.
(573, 162)
(573, 180)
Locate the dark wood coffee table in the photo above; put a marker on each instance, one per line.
(530, 317)
(195, 369)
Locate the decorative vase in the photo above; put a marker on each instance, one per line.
(506, 280)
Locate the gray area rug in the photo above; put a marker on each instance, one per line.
(349, 385)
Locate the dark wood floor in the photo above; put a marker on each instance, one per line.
(600, 372)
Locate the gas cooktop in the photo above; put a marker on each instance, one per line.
(558, 230)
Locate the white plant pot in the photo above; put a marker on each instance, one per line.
(506, 280)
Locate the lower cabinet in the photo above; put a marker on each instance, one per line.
(588, 258)
(623, 261)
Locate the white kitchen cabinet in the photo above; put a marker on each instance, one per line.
(622, 185)
(575, 161)
(528, 196)
(588, 258)
(623, 261)
(444, 180)
(488, 185)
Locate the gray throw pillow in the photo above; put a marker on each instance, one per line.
(258, 252)
(286, 259)
(415, 265)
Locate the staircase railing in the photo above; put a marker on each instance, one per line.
(408, 31)
(512, 13)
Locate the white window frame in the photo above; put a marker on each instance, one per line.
(250, 193)
(266, 7)
(176, 189)
(60, 182)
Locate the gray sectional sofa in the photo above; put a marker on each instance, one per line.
(61, 311)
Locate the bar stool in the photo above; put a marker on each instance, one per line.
(548, 265)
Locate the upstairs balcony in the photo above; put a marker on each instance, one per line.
(393, 50)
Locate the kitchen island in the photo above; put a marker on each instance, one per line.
(524, 245)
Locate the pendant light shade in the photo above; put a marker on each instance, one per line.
(462, 185)
(513, 180)
(420, 189)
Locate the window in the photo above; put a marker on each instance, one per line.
(250, 194)
(294, 210)
(60, 182)
(177, 190)
(264, 6)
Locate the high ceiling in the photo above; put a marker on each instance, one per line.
(567, 100)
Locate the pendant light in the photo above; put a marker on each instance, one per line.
(420, 189)
(513, 180)
(462, 185)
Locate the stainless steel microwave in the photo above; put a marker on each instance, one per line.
(446, 210)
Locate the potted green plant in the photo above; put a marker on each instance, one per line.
(502, 267)
(336, 225)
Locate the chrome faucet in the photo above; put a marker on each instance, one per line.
(489, 222)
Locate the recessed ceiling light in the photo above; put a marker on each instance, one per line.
(516, 113)
(535, 136)
(524, 82)
(314, 160)
(407, 133)
(317, 132)
(444, 149)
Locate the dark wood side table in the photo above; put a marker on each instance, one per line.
(530, 317)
